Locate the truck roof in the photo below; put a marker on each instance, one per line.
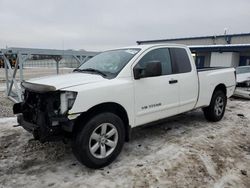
(146, 46)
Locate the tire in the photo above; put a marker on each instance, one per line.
(215, 111)
(90, 137)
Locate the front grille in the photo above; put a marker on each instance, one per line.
(40, 104)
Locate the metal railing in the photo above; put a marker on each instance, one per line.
(13, 88)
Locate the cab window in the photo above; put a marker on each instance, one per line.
(180, 60)
(162, 55)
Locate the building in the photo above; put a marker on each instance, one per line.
(221, 50)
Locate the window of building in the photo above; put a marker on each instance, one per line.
(244, 61)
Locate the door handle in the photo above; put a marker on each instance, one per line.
(173, 81)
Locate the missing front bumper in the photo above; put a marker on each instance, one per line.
(44, 132)
(39, 114)
(26, 125)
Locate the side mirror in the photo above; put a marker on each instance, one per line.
(151, 69)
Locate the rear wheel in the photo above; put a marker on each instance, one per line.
(215, 111)
(100, 141)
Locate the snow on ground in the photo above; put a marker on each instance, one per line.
(185, 151)
(2, 88)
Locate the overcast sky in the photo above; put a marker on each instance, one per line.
(104, 24)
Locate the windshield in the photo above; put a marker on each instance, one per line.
(242, 70)
(109, 63)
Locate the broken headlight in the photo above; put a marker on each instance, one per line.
(67, 99)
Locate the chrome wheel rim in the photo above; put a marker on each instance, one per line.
(219, 106)
(103, 140)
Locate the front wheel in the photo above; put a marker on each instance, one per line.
(215, 111)
(100, 141)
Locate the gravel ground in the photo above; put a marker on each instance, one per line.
(185, 151)
(5, 106)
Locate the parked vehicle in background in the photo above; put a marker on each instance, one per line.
(242, 92)
(12, 63)
(243, 82)
(243, 76)
(100, 102)
(1, 63)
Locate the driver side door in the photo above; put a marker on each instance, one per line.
(156, 97)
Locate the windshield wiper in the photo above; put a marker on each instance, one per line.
(90, 70)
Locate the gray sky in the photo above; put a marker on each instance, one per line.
(104, 24)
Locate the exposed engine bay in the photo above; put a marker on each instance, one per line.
(45, 113)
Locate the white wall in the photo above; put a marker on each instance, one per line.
(225, 59)
(235, 59)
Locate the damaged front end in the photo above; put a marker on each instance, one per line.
(44, 113)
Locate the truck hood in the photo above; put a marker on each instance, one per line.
(53, 83)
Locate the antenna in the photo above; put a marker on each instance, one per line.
(225, 30)
(63, 44)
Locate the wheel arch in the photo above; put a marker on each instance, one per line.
(221, 87)
(112, 107)
(209, 111)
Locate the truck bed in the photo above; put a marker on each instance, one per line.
(209, 78)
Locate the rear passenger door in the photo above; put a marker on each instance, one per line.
(187, 78)
(156, 97)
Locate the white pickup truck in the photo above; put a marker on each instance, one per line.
(99, 103)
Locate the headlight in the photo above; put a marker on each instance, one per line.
(67, 100)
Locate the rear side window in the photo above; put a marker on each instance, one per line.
(180, 60)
